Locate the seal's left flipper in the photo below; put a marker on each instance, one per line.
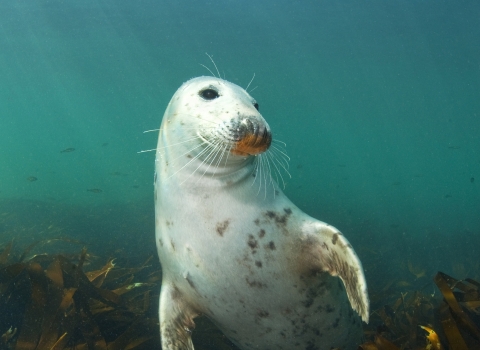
(176, 319)
(325, 248)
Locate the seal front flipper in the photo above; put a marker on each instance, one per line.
(176, 319)
(325, 248)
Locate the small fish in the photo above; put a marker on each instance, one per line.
(94, 190)
(68, 150)
(472, 180)
(32, 178)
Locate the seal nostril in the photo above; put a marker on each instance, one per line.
(256, 106)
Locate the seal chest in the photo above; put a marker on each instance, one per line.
(232, 245)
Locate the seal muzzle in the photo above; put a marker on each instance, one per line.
(252, 138)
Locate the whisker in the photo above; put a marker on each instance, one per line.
(173, 144)
(277, 140)
(283, 167)
(228, 154)
(259, 174)
(218, 162)
(191, 160)
(147, 150)
(204, 66)
(150, 130)
(264, 177)
(211, 148)
(255, 170)
(277, 170)
(211, 59)
(214, 147)
(280, 151)
(246, 89)
(280, 158)
(252, 89)
(182, 155)
(271, 182)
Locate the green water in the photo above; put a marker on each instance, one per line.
(378, 102)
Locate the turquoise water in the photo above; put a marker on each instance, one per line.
(378, 102)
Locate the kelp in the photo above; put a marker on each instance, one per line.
(415, 320)
(49, 302)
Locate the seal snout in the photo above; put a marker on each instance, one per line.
(253, 137)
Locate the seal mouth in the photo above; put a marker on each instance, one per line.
(253, 139)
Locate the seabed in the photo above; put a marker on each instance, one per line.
(55, 294)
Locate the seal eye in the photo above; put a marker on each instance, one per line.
(256, 106)
(209, 94)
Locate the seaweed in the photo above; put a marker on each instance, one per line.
(415, 320)
(49, 302)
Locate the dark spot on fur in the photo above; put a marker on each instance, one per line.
(161, 242)
(336, 323)
(172, 244)
(263, 313)
(280, 220)
(270, 214)
(334, 239)
(261, 233)
(252, 242)
(258, 263)
(190, 282)
(222, 227)
(189, 156)
(256, 222)
(175, 294)
(168, 223)
(271, 245)
(255, 284)
(311, 295)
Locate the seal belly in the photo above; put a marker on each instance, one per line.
(314, 316)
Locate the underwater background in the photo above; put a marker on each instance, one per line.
(378, 103)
